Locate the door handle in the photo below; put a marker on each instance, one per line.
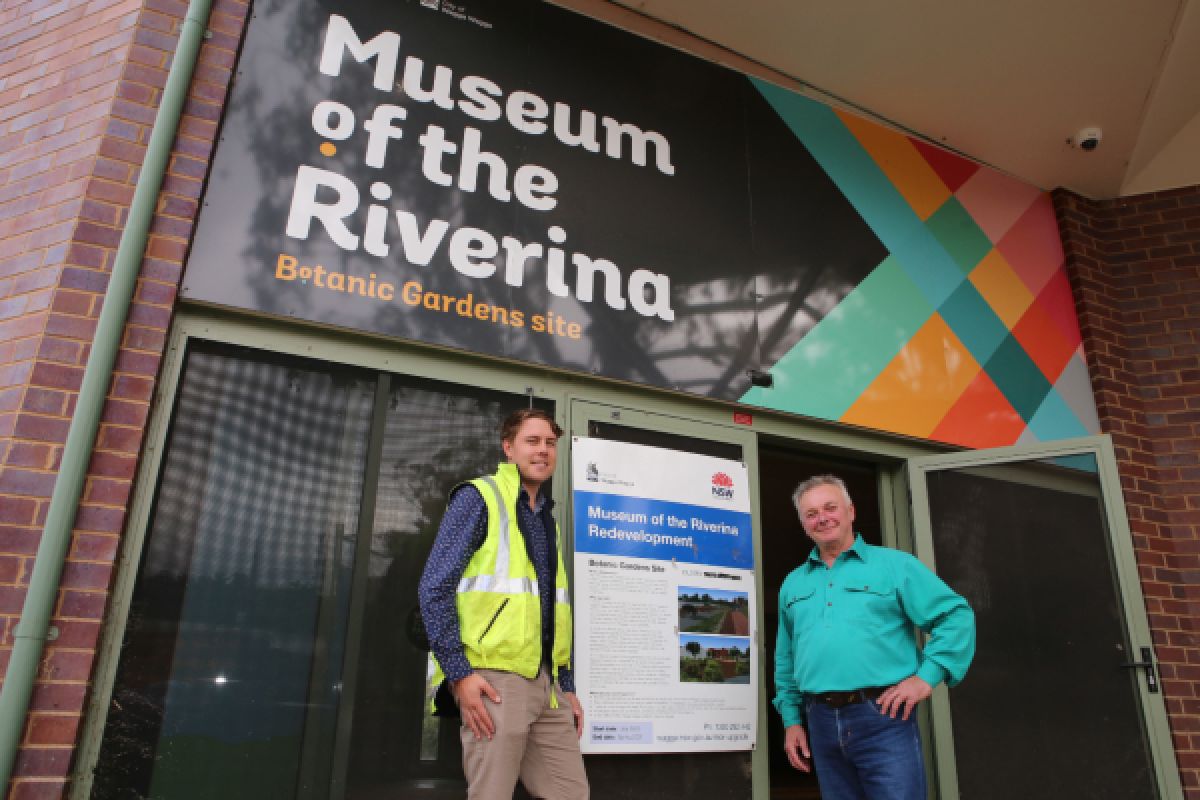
(1147, 663)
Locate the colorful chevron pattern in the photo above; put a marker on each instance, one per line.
(966, 332)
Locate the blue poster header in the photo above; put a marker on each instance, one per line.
(640, 527)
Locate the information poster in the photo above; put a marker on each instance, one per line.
(666, 655)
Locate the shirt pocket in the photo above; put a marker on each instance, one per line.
(873, 604)
(801, 609)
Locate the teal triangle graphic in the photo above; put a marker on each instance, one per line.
(1055, 420)
(869, 190)
(959, 234)
(838, 359)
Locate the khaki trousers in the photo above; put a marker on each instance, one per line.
(533, 742)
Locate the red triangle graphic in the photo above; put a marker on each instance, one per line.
(953, 170)
(981, 417)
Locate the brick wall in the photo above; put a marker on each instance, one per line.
(79, 86)
(1134, 265)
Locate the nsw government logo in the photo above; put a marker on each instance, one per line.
(722, 486)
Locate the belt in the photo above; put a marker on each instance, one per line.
(840, 699)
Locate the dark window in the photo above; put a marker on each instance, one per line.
(273, 647)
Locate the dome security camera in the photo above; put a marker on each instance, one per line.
(1088, 139)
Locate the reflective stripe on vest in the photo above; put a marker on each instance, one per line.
(502, 552)
(500, 581)
(490, 583)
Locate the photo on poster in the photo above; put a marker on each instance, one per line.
(714, 659)
(706, 610)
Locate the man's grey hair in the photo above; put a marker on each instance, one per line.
(820, 480)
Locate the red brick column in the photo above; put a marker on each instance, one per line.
(1134, 265)
(79, 87)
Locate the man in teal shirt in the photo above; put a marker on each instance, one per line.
(848, 669)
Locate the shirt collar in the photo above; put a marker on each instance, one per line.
(523, 500)
(859, 549)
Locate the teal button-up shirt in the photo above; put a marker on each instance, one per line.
(851, 626)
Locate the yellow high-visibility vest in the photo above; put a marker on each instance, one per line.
(499, 609)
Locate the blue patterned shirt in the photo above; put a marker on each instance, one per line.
(463, 529)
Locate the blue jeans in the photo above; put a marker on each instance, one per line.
(862, 754)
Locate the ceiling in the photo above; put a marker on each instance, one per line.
(1005, 82)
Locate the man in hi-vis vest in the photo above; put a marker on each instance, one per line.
(494, 602)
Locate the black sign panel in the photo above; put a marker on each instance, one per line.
(510, 178)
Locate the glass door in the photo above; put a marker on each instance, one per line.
(230, 663)
(273, 646)
(1063, 698)
(672, 775)
(429, 437)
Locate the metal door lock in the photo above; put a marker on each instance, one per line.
(1147, 663)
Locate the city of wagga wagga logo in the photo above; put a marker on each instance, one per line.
(332, 200)
(722, 486)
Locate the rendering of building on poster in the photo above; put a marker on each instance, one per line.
(666, 647)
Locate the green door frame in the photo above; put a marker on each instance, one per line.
(1124, 566)
(693, 416)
